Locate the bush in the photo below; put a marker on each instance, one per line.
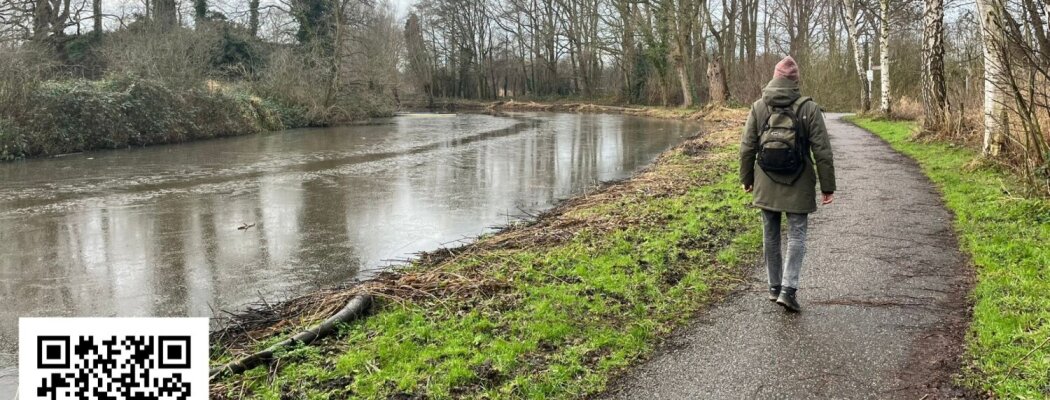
(21, 70)
(180, 58)
(237, 54)
(140, 86)
(79, 115)
(12, 142)
(73, 116)
(300, 78)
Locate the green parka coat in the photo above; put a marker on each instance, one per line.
(799, 197)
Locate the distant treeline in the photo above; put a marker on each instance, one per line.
(989, 85)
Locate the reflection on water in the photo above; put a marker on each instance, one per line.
(153, 232)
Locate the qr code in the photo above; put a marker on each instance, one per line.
(113, 358)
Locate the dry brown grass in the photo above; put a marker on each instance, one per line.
(908, 108)
(22, 68)
(707, 113)
(263, 320)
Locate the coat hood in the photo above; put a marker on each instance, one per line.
(780, 92)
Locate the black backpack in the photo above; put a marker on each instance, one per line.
(783, 143)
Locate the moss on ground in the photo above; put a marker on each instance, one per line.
(573, 298)
(1008, 237)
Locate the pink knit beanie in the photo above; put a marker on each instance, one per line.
(786, 68)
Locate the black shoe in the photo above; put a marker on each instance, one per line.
(787, 299)
(774, 291)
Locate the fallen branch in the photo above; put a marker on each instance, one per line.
(355, 308)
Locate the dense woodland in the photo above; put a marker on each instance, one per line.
(974, 72)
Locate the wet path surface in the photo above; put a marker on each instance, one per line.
(883, 296)
(154, 231)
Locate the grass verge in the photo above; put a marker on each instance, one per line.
(551, 309)
(1007, 237)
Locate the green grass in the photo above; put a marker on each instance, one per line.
(1008, 238)
(575, 313)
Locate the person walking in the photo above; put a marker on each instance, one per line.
(782, 130)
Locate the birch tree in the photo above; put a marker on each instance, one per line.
(884, 57)
(934, 97)
(854, 23)
(991, 35)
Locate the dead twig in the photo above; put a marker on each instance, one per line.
(1030, 352)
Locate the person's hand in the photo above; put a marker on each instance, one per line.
(827, 198)
(747, 188)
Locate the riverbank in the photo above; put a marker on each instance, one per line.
(1006, 234)
(79, 115)
(552, 308)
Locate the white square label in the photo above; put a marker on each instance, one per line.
(118, 358)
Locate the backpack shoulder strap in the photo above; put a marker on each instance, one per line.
(762, 113)
(796, 107)
(799, 102)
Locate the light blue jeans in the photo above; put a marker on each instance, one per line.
(781, 273)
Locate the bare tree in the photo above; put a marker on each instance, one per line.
(50, 18)
(717, 80)
(992, 37)
(165, 13)
(716, 74)
(17, 20)
(854, 26)
(253, 17)
(679, 16)
(418, 58)
(884, 57)
(749, 30)
(96, 15)
(934, 94)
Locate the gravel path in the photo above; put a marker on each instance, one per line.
(883, 294)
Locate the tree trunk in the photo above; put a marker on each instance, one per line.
(991, 35)
(1035, 21)
(683, 78)
(934, 97)
(752, 33)
(336, 61)
(253, 17)
(730, 32)
(717, 81)
(676, 22)
(164, 13)
(884, 58)
(200, 11)
(41, 19)
(96, 13)
(853, 26)
(49, 18)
